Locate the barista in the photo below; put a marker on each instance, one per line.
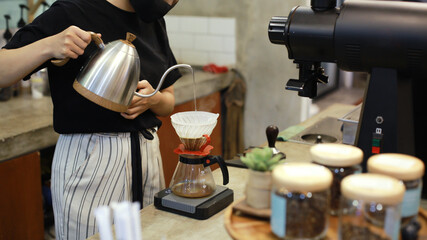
(93, 163)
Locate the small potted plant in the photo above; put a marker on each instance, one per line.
(260, 161)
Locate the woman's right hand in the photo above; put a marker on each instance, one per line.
(69, 43)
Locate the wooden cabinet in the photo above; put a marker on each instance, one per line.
(169, 140)
(21, 210)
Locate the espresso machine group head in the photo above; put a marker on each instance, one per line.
(386, 39)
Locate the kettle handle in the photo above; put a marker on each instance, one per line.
(98, 41)
(163, 79)
(222, 165)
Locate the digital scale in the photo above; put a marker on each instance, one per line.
(198, 208)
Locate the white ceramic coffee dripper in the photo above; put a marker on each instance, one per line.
(193, 125)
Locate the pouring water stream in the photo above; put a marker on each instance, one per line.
(194, 90)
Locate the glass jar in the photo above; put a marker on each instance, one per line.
(342, 160)
(300, 201)
(410, 171)
(375, 204)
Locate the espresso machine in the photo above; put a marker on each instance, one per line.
(192, 191)
(386, 39)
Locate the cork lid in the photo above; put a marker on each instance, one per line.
(373, 187)
(400, 166)
(302, 177)
(336, 155)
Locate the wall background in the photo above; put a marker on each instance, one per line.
(199, 40)
(11, 8)
(265, 66)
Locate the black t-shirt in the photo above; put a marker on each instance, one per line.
(72, 112)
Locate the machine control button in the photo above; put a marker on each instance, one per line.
(379, 119)
(376, 150)
(377, 141)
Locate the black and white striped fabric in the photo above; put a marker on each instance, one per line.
(91, 170)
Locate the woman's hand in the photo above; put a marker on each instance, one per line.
(69, 43)
(139, 104)
(161, 103)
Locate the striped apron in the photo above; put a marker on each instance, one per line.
(91, 170)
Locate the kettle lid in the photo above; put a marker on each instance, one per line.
(129, 39)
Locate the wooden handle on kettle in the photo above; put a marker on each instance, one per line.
(130, 37)
(98, 41)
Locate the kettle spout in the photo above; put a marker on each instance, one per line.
(163, 79)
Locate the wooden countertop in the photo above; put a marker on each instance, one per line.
(158, 224)
(300, 152)
(26, 124)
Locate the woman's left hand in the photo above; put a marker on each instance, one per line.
(141, 104)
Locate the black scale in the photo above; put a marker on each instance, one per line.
(198, 208)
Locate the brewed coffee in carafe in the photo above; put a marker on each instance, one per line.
(193, 177)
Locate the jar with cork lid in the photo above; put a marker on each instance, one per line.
(374, 202)
(342, 160)
(300, 201)
(409, 170)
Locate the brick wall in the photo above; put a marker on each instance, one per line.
(202, 40)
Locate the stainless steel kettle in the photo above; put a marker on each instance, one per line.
(111, 76)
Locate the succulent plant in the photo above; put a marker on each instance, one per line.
(262, 159)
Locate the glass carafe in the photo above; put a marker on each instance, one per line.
(193, 177)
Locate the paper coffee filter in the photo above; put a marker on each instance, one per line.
(194, 124)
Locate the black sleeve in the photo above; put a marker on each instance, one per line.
(51, 22)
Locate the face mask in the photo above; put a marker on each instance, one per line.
(150, 10)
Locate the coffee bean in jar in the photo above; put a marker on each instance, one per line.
(410, 171)
(374, 202)
(342, 160)
(300, 201)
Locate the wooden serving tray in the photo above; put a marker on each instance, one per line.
(244, 226)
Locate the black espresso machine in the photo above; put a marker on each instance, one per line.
(388, 40)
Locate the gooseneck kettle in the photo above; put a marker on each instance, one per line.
(111, 75)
